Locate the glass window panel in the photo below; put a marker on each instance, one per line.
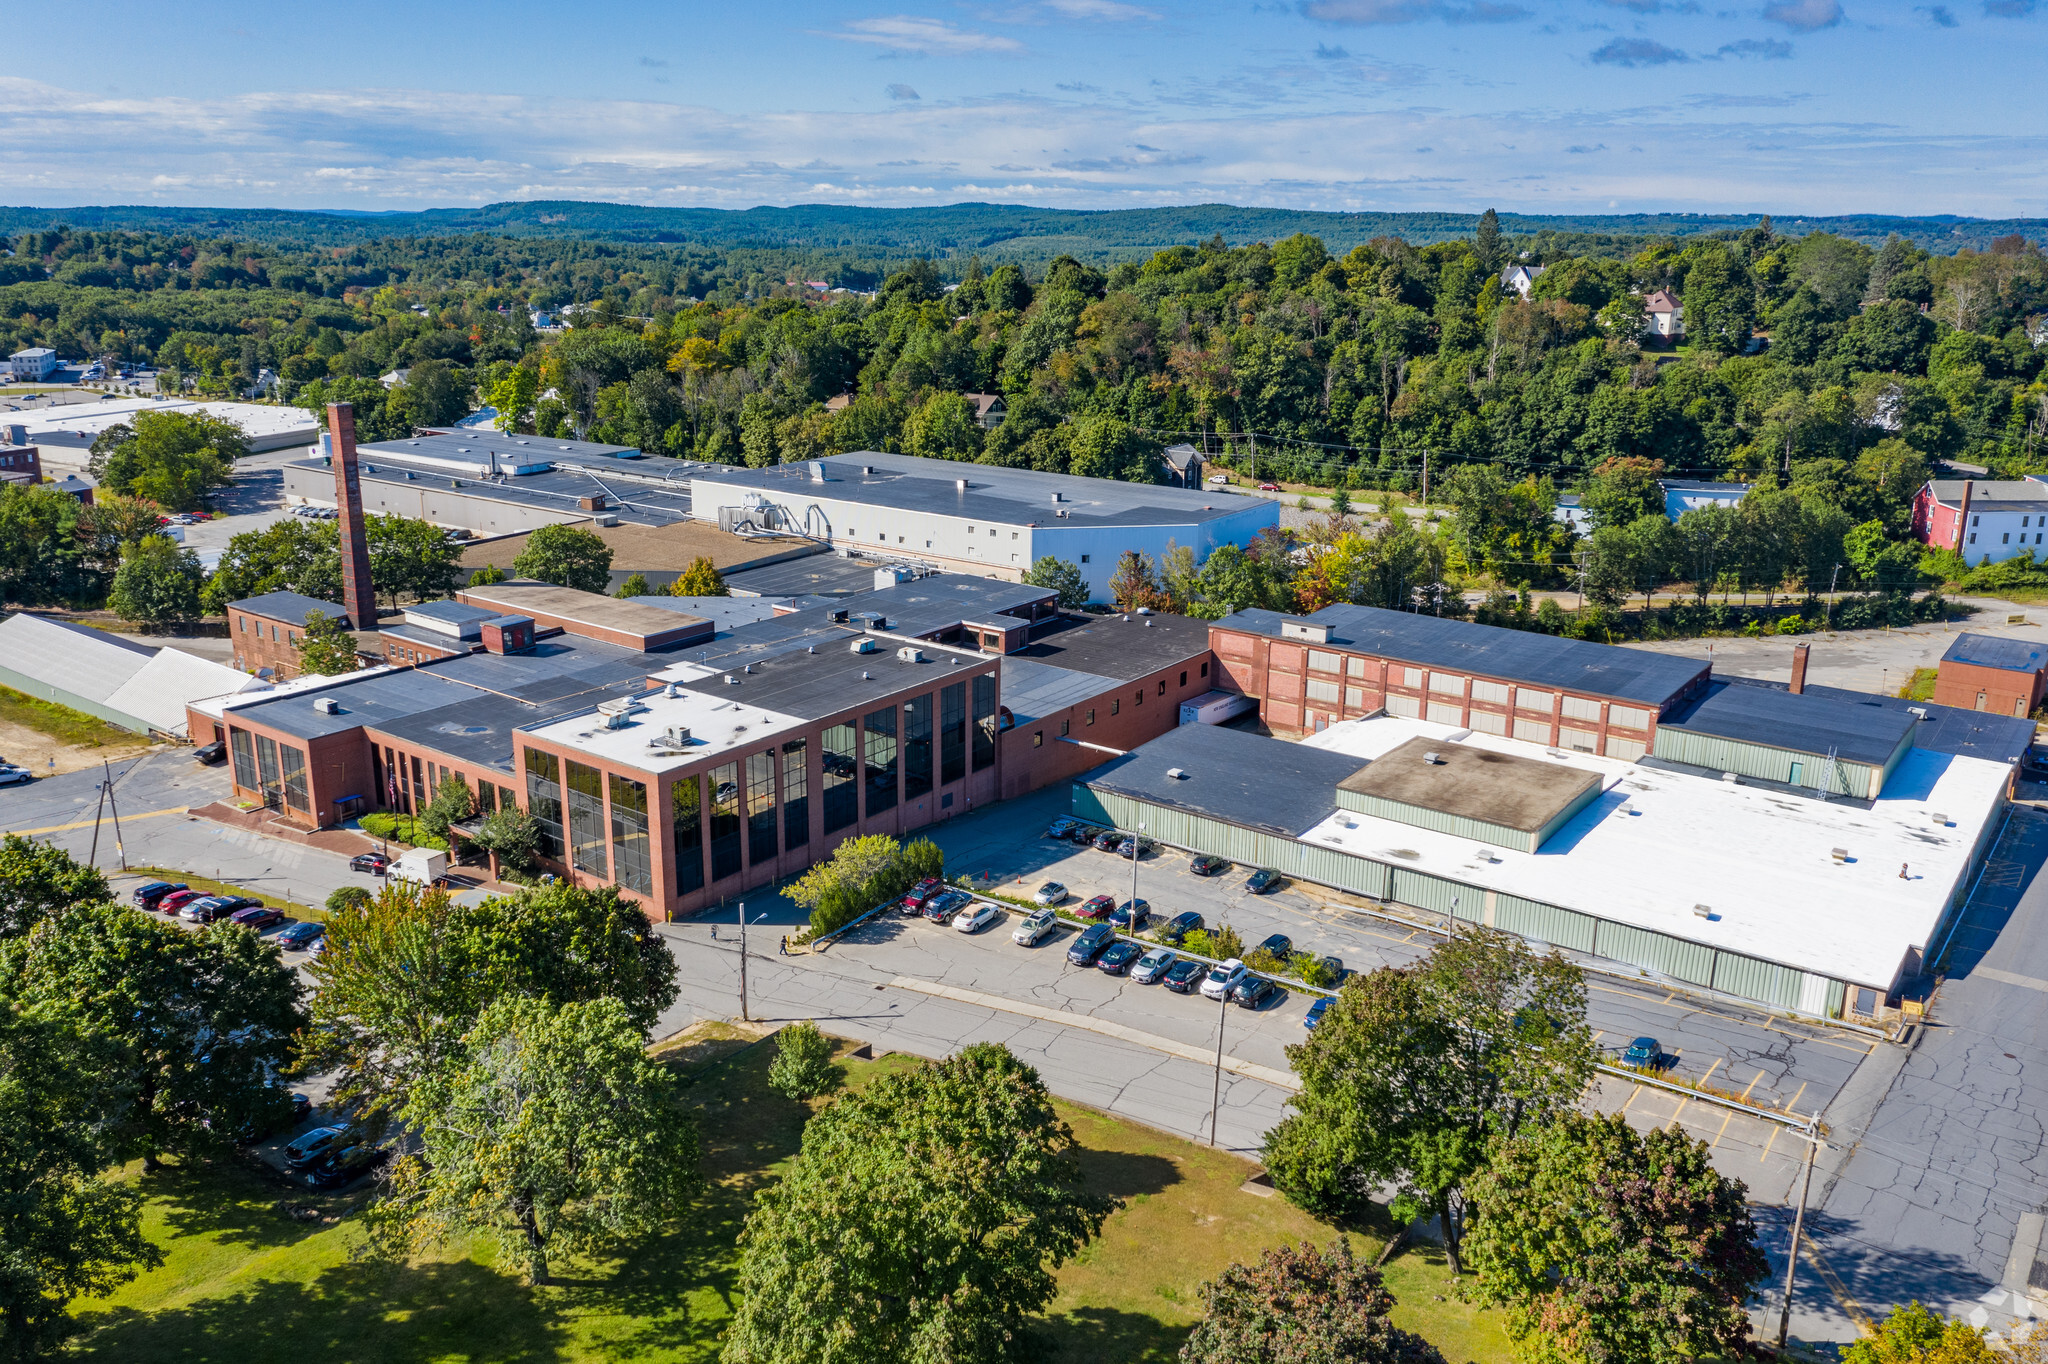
(293, 761)
(841, 761)
(761, 807)
(984, 722)
(796, 801)
(245, 759)
(544, 799)
(725, 821)
(630, 859)
(952, 733)
(880, 729)
(486, 800)
(686, 808)
(586, 818)
(917, 747)
(506, 800)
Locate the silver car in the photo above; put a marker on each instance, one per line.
(976, 917)
(1036, 927)
(1152, 966)
(1051, 893)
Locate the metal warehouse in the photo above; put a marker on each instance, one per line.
(1754, 889)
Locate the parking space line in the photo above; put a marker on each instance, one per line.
(1680, 1111)
(1711, 1069)
(1726, 1118)
(1787, 1105)
(1752, 1085)
(1775, 1129)
(1634, 1092)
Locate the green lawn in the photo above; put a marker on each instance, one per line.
(245, 1282)
(65, 725)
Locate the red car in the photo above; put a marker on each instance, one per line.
(257, 916)
(923, 891)
(1269, 487)
(1097, 907)
(177, 900)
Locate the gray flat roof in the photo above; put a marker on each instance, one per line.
(726, 612)
(1119, 647)
(1947, 729)
(287, 606)
(1633, 675)
(560, 489)
(1012, 497)
(1992, 651)
(1239, 778)
(946, 599)
(1473, 783)
(593, 609)
(811, 686)
(1034, 690)
(454, 612)
(1809, 722)
(819, 575)
(476, 444)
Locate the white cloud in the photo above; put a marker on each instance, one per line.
(1109, 11)
(1804, 16)
(926, 37)
(1414, 11)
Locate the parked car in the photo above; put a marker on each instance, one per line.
(1089, 944)
(1107, 840)
(1334, 973)
(1254, 992)
(1061, 827)
(210, 754)
(942, 907)
(178, 899)
(376, 864)
(345, 1166)
(1269, 487)
(293, 937)
(1118, 956)
(308, 1147)
(1644, 1051)
(1144, 846)
(925, 889)
(257, 916)
(1179, 926)
(976, 917)
(1279, 944)
(1152, 966)
(1035, 927)
(148, 895)
(10, 775)
(1316, 1012)
(1208, 864)
(1262, 880)
(1219, 478)
(1223, 978)
(1051, 893)
(206, 909)
(1132, 915)
(1184, 975)
(1096, 907)
(1086, 834)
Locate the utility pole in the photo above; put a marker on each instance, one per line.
(1425, 480)
(1792, 1252)
(1255, 455)
(92, 857)
(1137, 838)
(1216, 1100)
(113, 805)
(743, 963)
(1827, 618)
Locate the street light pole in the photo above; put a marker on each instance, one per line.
(1792, 1253)
(743, 963)
(1137, 838)
(1216, 1100)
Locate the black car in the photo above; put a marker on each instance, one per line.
(1255, 992)
(148, 895)
(1184, 975)
(1132, 915)
(345, 1166)
(1208, 864)
(1262, 880)
(309, 1148)
(374, 863)
(1179, 926)
(212, 753)
(1117, 957)
(1279, 944)
(1107, 840)
(1090, 944)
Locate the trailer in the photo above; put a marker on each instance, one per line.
(426, 866)
(1215, 707)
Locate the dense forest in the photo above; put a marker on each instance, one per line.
(1815, 365)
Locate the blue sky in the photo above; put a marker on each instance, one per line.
(1785, 106)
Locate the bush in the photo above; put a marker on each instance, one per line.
(1266, 963)
(1308, 968)
(401, 829)
(345, 897)
(1222, 943)
(380, 825)
(863, 873)
(803, 1062)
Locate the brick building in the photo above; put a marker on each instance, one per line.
(2001, 676)
(266, 630)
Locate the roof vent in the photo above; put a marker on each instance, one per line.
(867, 470)
(1488, 855)
(906, 654)
(1176, 774)
(864, 645)
(748, 669)
(1703, 911)
(1920, 711)
(811, 649)
(1839, 854)
(731, 681)
(866, 676)
(674, 690)
(1731, 779)
(961, 484)
(326, 705)
(1433, 758)
(1145, 611)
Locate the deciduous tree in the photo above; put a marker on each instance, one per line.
(174, 459)
(38, 880)
(157, 584)
(567, 557)
(1300, 1305)
(325, 648)
(700, 579)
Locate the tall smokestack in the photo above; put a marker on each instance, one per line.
(1798, 668)
(1963, 516)
(358, 594)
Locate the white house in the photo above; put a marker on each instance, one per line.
(1666, 315)
(37, 362)
(1520, 278)
(1684, 495)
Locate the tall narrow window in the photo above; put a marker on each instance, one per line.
(761, 807)
(984, 722)
(686, 809)
(796, 802)
(419, 783)
(952, 733)
(506, 800)
(880, 729)
(586, 818)
(544, 799)
(486, 800)
(841, 761)
(245, 759)
(630, 858)
(725, 821)
(267, 771)
(917, 747)
(293, 762)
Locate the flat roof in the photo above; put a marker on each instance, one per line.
(725, 612)
(1950, 490)
(1994, 651)
(1004, 496)
(810, 686)
(591, 609)
(941, 600)
(1507, 789)
(1033, 690)
(1119, 646)
(820, 575)
(1761, 861)
(76, 424)
(1946, 729)
(1523, 656)
(558, 489)
(668, 547)
(288, 606)
(476, 445)
(454, 612)
(1807, 722)
(718, 725)
(1231, 775)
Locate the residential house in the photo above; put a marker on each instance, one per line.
(1666, 315)
(1983, 519)
(989, 409)
(1684, 495)
(1520, 278)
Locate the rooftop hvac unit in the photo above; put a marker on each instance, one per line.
(326, 705)
(622, 705)
(678, 736)
(906, 654)
(864, 645)
(1434, 759)
(1703, 911)
(1839, 854)
(1176, 774)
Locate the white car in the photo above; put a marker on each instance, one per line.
(1222, 979)
(976, 917)
(1051, 893)
(1219, 478)
(1036, 927)
(11, 775)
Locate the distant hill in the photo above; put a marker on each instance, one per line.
(954, 232)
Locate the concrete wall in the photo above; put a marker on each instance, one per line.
(431, 499)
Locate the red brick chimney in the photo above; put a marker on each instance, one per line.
(358, 594)
(1963, 516)
(1799, 668)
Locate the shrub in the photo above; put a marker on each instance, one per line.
(863, 873)
(1221, 942)
(1308, 968)
(380, 825)
(344, 897)
(803, 1062)
(511, 833)
(1266, 963)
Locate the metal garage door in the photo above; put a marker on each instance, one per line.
(1545, 923)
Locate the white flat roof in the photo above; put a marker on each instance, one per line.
(717, 727)
(82, 421)
(1760, 859)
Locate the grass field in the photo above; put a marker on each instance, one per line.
(62, 723)
(245, 1282)
(1920, 687)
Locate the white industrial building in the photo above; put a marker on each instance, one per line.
(131, 685)
(37, 362)
(975, 518)
(75, 426)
